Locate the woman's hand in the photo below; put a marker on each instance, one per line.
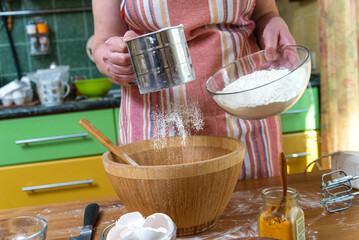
(271, 30)
(275, 33)
(117, 59)
(109, 48)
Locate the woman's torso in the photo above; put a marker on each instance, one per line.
(217, 33)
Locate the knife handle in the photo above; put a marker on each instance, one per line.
(91, 213)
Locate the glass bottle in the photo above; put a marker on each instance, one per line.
(279, 219)
(43, 37)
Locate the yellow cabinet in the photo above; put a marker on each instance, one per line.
(53, 181)
(301, 149)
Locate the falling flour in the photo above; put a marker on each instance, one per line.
(264, 101)
(176, 120)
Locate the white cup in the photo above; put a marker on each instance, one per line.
(52, 92)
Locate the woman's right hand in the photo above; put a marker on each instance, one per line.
(117, 59)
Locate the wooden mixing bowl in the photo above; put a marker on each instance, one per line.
(192, 182)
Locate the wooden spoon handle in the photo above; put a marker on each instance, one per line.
(106, 142)
(283, 174)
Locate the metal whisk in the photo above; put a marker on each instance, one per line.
(337, 195)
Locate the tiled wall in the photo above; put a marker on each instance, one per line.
(302, 19)
(70, 31)
(68, 35)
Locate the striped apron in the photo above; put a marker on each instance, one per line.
(217, 33)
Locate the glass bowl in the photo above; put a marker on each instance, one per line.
(23, 227)
(104, 233)
(254, 87)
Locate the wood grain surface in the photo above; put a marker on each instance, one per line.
(239, 219)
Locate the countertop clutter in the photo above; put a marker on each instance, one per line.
(239, 219)
(67, 106)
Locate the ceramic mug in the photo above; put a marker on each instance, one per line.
(52, 92)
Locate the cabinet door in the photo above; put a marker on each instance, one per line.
(50, 137)
(304, 115)
(53, 181)
(301, 149)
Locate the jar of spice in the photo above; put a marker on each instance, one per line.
(43, 36)
(281, 219)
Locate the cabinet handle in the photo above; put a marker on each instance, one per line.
(296, 111)
(295, 155)
(50, 138)
(56, 185)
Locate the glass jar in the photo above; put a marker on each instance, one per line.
(279, 219)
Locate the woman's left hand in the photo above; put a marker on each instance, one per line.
(275, 33)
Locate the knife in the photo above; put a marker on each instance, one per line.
(90, 217)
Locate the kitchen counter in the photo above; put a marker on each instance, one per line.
(68, 106)
(238, 220)
(85, 104)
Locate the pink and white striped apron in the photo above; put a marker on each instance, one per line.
(217, 33)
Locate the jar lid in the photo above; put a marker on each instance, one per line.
(42, 28)
(30, 28)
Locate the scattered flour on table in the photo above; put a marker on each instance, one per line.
(176, 120)
(277, 94)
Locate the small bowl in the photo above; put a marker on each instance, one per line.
(93, 88)
(269, 96)
(23, 227)
(104, 233)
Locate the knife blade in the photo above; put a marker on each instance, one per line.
(90, 217)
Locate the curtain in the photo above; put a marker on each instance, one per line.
(339, 86)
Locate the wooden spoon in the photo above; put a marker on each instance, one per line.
(106, 142)
(283, 175)
(278, 212)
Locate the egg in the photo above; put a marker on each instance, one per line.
(133, 226)
(18, 97)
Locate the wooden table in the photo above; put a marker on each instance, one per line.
(238, 220)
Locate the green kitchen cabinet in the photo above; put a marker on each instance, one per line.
(300, 127)
(55, 136)
(304, 115)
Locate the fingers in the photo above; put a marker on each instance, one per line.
(129, 35)
(117, 61)
(116, 44)
(276, 33)
(117, 58)
(123, 80)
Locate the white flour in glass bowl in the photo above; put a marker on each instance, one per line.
(264, 101)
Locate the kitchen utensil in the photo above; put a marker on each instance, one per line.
(260, 98)
(93, 88)
(161, 59)
(337, 194)
(106, 142)
(191, 182)
(284, 180)
(23, 227)
(90, 218)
